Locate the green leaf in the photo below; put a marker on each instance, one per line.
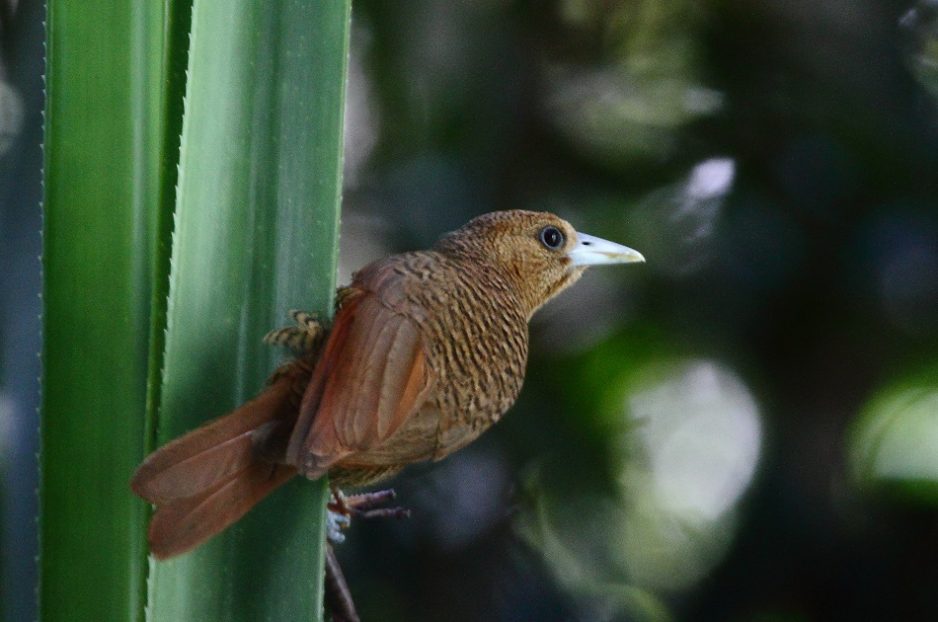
(104, 132)
(894, 442)
(255, 235)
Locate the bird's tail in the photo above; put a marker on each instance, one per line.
(206, 480)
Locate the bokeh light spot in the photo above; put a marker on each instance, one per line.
(688, 444)
(895, 440)
(699, 428)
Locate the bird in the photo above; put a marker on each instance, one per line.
(426, 351)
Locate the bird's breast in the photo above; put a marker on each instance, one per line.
(475, 335)
(477, 338)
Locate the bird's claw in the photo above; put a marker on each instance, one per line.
(335, 523)
(365, 505)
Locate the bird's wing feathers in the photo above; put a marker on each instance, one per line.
(373, 375)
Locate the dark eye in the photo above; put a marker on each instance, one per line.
(551, 237)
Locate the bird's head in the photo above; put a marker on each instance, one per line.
(540, 254)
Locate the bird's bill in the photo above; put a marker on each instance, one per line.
(593, 251)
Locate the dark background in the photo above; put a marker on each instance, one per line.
(745, 427)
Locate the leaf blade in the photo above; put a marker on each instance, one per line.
(256, 234)
(103, 134)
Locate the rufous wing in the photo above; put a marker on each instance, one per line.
(373, 376)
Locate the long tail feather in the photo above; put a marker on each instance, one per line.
(194, 462)
(204, 481)
(182, 525)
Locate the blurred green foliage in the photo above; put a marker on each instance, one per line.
(894, 439)
(691, 435)
(742, 428)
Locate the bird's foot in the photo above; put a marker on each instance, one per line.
(364, 505)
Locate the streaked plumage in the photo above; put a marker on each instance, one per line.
(427, 350)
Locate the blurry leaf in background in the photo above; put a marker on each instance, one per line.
(362, 114)
(21, 61)
(615, 117)
(675, 226)
(900, 248)
(11, 114)
(649, 83)
(575, 542)
(894, 442)
(462, 498)
(920, 24)
(686, 447)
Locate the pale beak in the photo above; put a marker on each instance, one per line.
(593, 251)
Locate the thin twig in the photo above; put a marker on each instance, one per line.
(337, 595)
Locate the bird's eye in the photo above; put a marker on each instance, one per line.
(551, 237)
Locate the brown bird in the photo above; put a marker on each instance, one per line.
(427, 351)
